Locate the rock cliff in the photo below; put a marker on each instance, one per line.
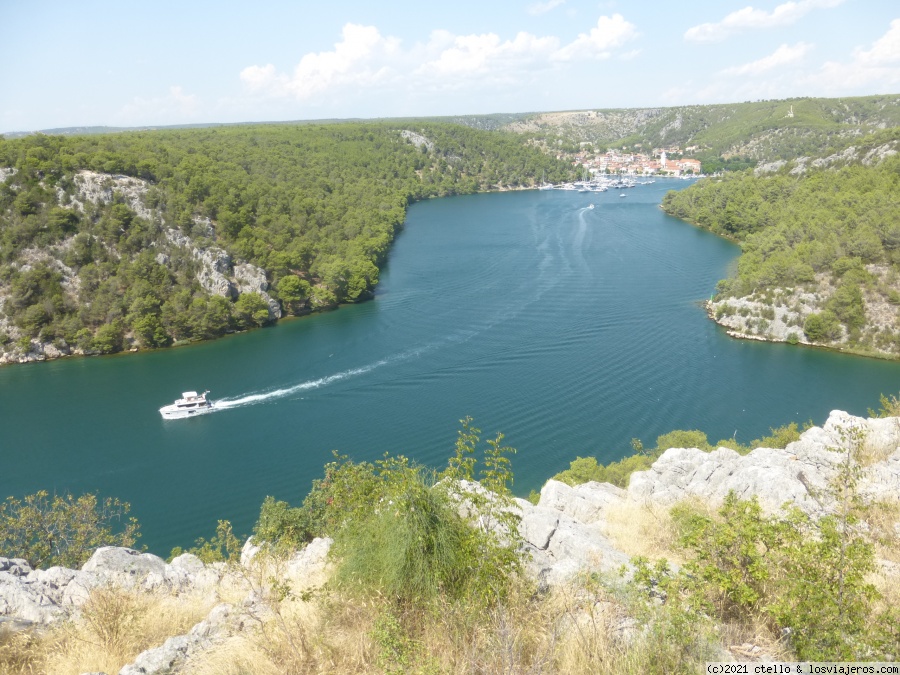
(214, 269)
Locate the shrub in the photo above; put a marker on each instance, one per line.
(412, 547)
(890, 407)
(682, 439)
(221, 547)
(63, 530)
(823, 327)
(793, 572)
(780, 437)
(398, 530)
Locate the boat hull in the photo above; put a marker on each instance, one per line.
(172, 412)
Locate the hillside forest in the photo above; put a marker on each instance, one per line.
(144, 239)
(820, 243)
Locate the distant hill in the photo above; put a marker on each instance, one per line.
(760, 131)
(89, 131)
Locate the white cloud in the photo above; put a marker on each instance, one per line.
(174, 106)
(365, 58)
(750, 18)
(876, 68)
(609, 33)
(885, 50)
(785, 55)
(362, 57)
(544, 7)
(487, 54)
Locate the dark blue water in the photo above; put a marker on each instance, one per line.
(569, 329)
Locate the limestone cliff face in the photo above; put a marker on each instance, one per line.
(780, 315)
(215, 270)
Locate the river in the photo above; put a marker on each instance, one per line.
(570, 329)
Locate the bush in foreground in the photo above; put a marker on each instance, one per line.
(63, 530)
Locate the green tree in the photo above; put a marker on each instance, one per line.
(847, 304)
(251, 310)
(109, 338)
(293, 292)
(822, 327)
(63, 530)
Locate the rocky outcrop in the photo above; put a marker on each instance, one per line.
(798, 475)
(417, 140)
(215, 270)
(779, 315)
(217, 626)
(39, 597)
(43, 596)
(219, 275)
(563, 534)
(101, 188)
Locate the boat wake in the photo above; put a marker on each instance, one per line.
(284, 392)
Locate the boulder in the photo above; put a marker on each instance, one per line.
(26, 601)
(310, 565)
(585, 502)
(129, 568)
(562, 547)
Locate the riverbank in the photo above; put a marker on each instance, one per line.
(781, 317)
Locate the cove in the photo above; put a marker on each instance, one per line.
(570, 329)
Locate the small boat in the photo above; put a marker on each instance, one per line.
(622, 195)
(190, 404)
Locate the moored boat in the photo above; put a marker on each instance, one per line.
(190, 404)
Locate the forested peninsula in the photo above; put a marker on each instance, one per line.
(820, 241)
(147, 239)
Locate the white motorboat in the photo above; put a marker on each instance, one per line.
(190, 404)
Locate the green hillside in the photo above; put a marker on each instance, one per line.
(758, 131)
(294, 218)
(821, 246)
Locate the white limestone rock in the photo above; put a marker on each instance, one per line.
(560, 546)
(26, 601)
(798, 475)
(585, 502)
(249, 551)
(310, 566)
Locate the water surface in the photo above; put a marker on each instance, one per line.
(571, 329)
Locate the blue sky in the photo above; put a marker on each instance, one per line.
(161, 62)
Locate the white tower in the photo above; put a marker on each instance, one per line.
(662, 159)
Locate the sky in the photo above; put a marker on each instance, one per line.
(98, 63)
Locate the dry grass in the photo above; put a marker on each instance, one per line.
(578, 630)
(871, 452)
(290, 636)
(756, 633)
(883, 521)
(647, 529)
(20, 654)
(115, 626)
(335, 634)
